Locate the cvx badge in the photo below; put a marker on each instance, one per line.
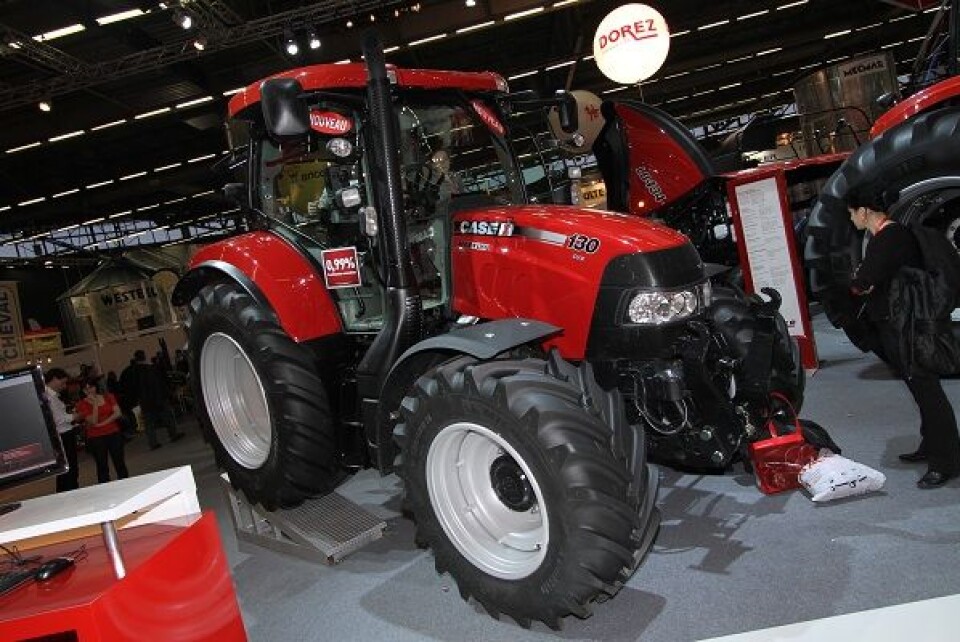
(485, 228)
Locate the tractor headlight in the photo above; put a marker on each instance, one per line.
(656, 307)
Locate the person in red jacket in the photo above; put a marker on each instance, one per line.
(101, 417)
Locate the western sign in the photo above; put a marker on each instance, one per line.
(631, 43)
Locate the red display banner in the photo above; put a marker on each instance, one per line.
(341, 268)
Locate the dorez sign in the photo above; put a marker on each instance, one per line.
(631, 43)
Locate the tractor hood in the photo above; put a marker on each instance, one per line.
(548, 263)
(614, 234)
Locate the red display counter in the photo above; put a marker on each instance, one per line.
(177, 587)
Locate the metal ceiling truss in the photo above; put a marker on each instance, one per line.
(78, 75)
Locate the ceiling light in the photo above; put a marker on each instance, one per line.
(200, 158)
(183, 19)
(836, 34)
(100, 184)
(67, 193)
(13, 150)
(523, 14)
(59, 33)
(45, 105)
(155, 112)
(522, 75)
(391, 49)
(373, 18)
(117, 17)
(470, 3)
(231, 92)
(349, 24)
(200, 43)
(79, 132)
(106, 125)
(132, 176)
(197, 101)
(313, 39)
(425, 40)
(712, 25)
(476, 26)
(289, 43)
(32, 201)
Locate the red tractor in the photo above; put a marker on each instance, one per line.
(398, 303)
(912, 163)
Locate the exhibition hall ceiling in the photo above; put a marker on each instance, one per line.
(136, 108)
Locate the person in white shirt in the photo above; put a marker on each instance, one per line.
(56, 379)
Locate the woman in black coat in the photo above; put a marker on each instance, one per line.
(892, 247)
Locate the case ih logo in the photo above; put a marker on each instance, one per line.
(486, 228)
(488, 117)
(638, 30)
(328, 122)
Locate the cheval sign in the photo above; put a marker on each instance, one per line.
(631, 43)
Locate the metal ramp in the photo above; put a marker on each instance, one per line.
(325, 529)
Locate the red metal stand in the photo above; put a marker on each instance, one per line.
(177, 587)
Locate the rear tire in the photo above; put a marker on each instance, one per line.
(260, 401)
(920, 160)
(526, 481)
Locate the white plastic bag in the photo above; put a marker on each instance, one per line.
(831, 476)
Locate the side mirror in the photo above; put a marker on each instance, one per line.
(567, 111)
(887, 100)
(236, 193)
(285, 114)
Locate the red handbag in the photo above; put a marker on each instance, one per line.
(778, 459)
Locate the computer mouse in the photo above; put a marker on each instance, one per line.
(52, 567)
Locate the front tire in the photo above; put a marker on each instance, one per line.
(260, 400)
(526, 481)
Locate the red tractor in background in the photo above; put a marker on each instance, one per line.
(398, 303)
(912, 162)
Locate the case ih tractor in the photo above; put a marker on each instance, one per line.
(396, 302)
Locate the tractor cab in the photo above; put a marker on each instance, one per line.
(314, 190)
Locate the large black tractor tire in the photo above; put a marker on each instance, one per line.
(919, 160)
(525, 479)
(260, 401)
(735, 319)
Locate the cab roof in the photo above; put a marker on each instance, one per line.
(354, 75)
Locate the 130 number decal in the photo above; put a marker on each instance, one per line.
(581, 243)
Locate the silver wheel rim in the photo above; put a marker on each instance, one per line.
(497, 539)
(235, 400)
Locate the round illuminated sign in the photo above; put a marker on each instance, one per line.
(631, 43)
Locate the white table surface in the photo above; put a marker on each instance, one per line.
(166, 494)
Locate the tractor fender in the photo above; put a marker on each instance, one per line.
(482, 341)
(275, 274)
(933, 96)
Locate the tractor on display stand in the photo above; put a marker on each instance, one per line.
(398, 303)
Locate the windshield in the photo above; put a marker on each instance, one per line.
(456, 149)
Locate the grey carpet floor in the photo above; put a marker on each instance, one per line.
(727, 559)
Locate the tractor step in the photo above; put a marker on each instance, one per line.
(325, 529)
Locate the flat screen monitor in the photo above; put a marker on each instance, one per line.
(30, 447)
